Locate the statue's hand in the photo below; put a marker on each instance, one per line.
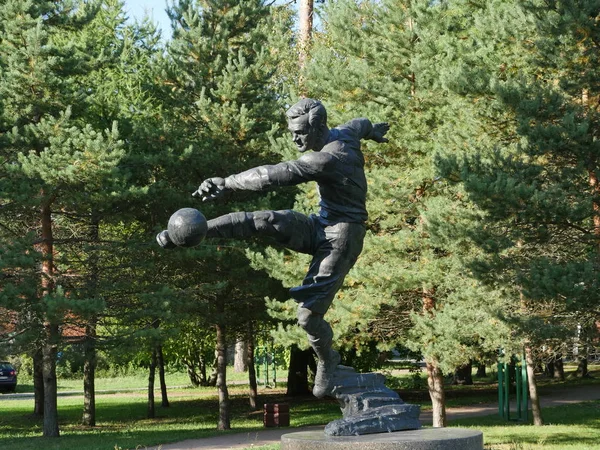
(379, 131)
(210, 189)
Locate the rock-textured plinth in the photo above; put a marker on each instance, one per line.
(368, 406)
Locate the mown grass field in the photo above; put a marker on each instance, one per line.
(122, 422)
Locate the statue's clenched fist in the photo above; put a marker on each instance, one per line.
(210, 189)
(379, 131)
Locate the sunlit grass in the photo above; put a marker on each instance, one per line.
(121, 417)
(130, 382)
(574, 427)
(122, 422)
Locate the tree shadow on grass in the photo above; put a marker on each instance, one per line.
(122, 422)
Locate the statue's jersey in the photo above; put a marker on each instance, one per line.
(338, 170)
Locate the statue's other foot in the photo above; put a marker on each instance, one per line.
(164, 241)
(325, 371)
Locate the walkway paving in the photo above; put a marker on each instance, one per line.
(557, 397)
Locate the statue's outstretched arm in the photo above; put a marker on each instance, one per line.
(309, 167)
(364, 129)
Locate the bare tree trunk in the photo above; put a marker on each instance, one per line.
(536, 410)
(582, 367)
(89, 350)
(463, 375)
(51, 329)
(253, 394)
(89, 376)
(224, 423)
(50, 384)
(240, 359)
(151, 375)
(559, 368)
(435, 378)
(305, 15)
(161, 376)
(435, 383)
(481, 373)
(38, 383)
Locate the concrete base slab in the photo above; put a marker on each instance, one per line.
(424, 439)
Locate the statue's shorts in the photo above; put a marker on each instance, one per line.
(334, 247)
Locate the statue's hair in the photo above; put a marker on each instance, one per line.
(317, 114)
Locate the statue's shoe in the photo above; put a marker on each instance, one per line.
(164, 241)
(324, 377)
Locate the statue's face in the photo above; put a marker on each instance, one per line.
(303, 135)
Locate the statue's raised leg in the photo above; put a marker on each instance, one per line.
(289, 229)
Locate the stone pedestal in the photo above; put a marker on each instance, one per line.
(424, 439)
(368, 406)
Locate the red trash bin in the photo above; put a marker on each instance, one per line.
(277, 415)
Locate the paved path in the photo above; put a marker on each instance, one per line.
(557, 397)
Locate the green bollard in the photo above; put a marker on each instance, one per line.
(522, 390)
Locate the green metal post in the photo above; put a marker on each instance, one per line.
(519, 383)
(525, 388)
(507, 390)
(274, 371)
(500, 389)
(266, 366)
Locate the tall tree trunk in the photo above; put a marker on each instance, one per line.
(549, 369)
(253, 394)
(89, 350)
(582, 367)
(305, 15)
(536, 410)
(221, 353)
(151, 375)
(51, 329)
(463, 375)
(481, 373)
(240, 356)
(435, 383)
(435, 378)
(50, 383)
(224, 423)
(38, 383)
(161, 375)
(89, 375)
(297, 380)
(559, 368)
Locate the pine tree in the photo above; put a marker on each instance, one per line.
(52, 160)
(528, 161)
(221, 110)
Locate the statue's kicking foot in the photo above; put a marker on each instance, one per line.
(164, 240)
(324, 377)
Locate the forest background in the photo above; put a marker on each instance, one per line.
(484, 228)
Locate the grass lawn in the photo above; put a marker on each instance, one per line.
(122, 423)
(131, 381)
(573, 427)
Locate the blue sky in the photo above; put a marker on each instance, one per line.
(155, 9)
